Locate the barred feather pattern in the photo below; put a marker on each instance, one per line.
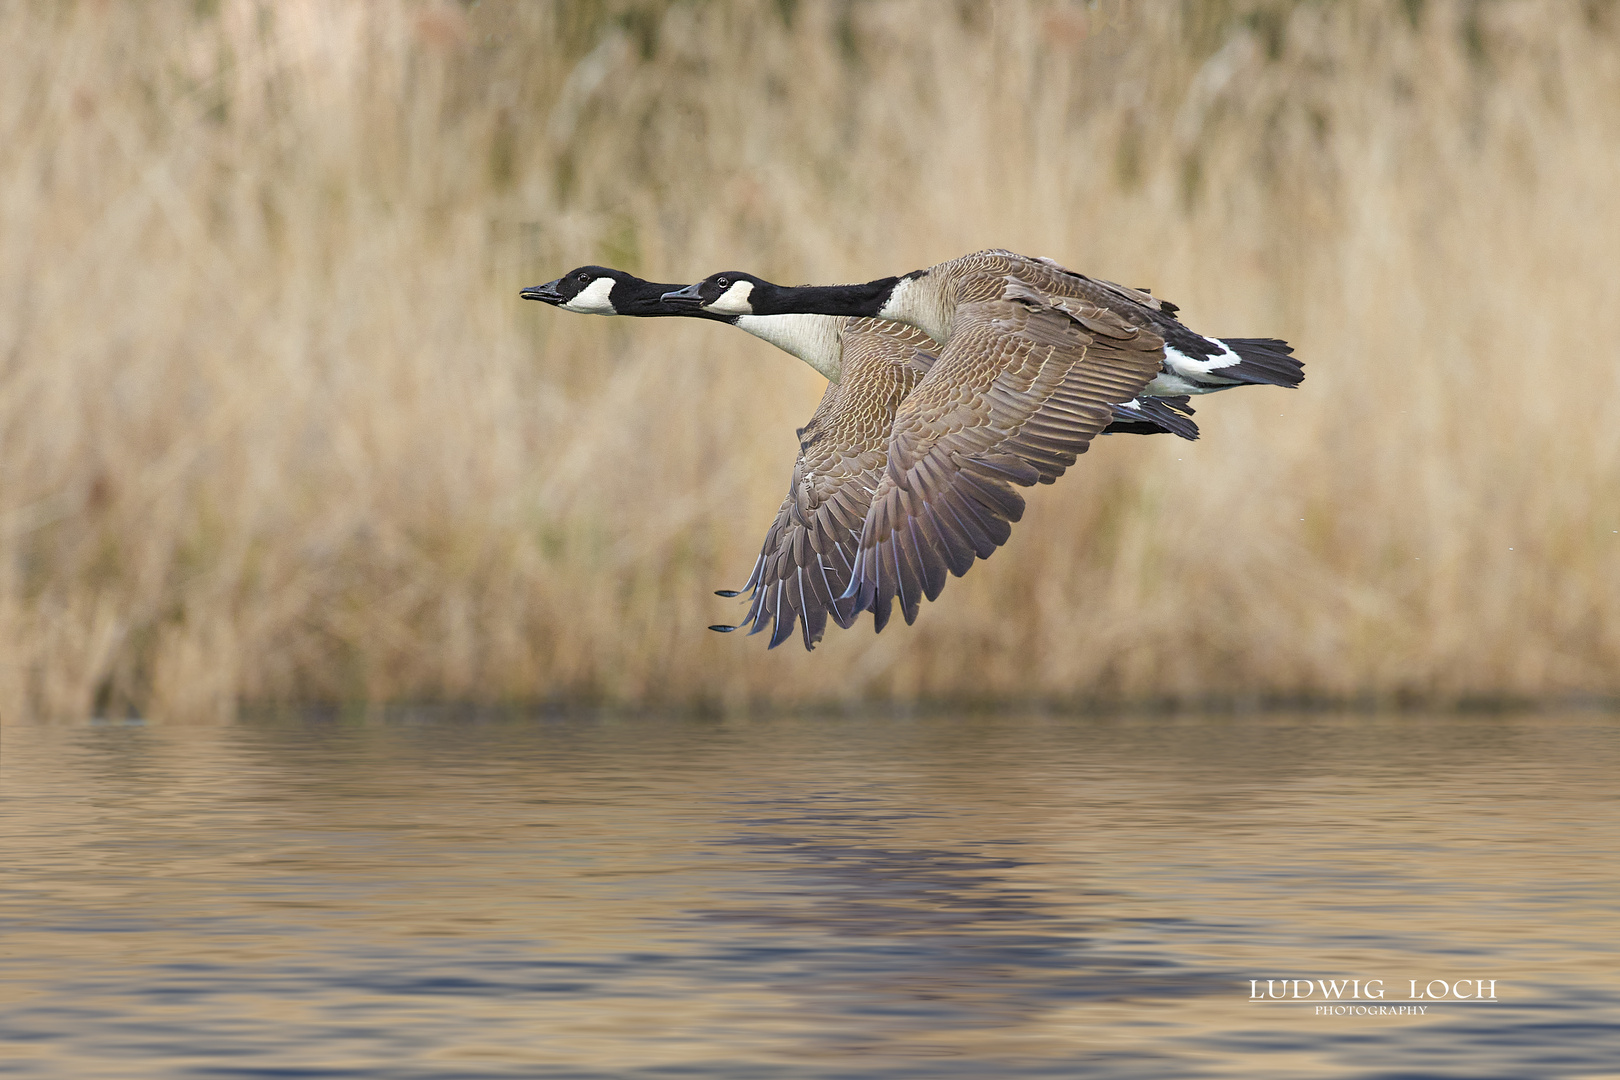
(1026, 381)
(1263, 361)
(1038, 360)
(804, 567)
(983, 276)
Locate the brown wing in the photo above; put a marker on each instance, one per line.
(1018, 393)
(1138, 307)
(809, 553)
(1100, 291)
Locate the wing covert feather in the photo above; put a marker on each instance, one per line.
(808, 557)
(1025, 383)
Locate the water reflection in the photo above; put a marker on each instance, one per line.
(440, 895)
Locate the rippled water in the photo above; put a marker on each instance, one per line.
(439, 895)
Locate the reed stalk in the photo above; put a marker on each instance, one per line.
(275, 426)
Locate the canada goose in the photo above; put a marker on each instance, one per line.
(803, 570)
(815, 339)
(1035, 359)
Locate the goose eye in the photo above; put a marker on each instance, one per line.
(723, 282)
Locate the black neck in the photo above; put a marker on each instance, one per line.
(644, 300)
(864, 300)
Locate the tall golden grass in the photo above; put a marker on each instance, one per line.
(275, 426)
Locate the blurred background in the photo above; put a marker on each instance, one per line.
(276, 428)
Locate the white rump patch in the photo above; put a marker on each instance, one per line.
(1197, 370)
(594, 299)
(734, 301)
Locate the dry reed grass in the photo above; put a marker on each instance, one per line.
(274, 425)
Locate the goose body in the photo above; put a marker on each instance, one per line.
(933, 299)
(805, 568)
(1035, 361)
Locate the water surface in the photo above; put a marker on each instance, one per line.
(443, 895)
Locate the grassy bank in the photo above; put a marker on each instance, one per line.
(274, 425)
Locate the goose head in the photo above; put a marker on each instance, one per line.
(601, 290)
(587, 289)
(735, 293)
(732, 292)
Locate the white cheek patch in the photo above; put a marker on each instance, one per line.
(734, 301)
(593, 299)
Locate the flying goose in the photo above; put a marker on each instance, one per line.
(803, 570)
(1035, 360)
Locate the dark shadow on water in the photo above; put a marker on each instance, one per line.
(904, 940)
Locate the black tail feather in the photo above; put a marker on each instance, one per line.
(1267, 361)
(1154, 416)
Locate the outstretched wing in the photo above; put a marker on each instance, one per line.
(804, 567)
(1025, 383)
